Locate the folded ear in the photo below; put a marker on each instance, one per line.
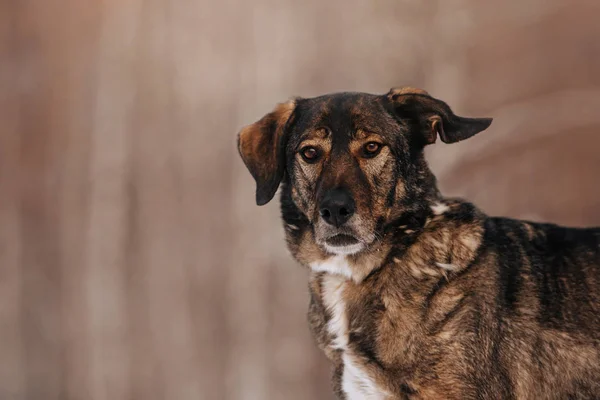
(262, 147)
(435, 116)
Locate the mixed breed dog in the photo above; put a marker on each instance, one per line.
(414, 295)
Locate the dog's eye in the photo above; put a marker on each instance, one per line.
(309, 154)
(371, 149)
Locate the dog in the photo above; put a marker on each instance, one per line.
(413, 295)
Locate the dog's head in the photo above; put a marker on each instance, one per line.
(351, 163)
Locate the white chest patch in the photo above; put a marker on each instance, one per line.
(336, 265)
(356, 383)
(333, 299)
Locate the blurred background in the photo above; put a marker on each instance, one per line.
(134, 263)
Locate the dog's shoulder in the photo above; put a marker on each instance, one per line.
(548, 271)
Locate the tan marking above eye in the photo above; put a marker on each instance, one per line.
(323, 132)
(362, 135)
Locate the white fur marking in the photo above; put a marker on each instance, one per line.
(336, 265)
(357, 384)
(439, 208)
(333, 289)
(293, 227)
(447, 267)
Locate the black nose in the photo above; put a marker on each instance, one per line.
(336, 207)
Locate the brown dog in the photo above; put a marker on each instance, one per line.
(414, 295)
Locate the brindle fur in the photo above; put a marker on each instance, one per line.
(443, 302)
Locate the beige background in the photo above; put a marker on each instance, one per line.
(133, 261)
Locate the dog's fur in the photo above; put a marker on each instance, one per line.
(434, 299)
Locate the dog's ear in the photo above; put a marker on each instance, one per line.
(262, 147)
(435, 116)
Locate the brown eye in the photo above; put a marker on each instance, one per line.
(371, 149)
(309, 154)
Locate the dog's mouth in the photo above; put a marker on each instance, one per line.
(345, 240)
(343, 244)
(341, 240)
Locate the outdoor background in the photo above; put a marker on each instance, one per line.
(134, 263)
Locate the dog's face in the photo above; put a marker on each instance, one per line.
(342, 158)
(351, 162)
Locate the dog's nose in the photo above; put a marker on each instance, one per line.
(336, 207)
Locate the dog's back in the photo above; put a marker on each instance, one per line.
(557, 266)
(547, 300)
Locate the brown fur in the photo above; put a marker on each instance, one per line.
(441, 301)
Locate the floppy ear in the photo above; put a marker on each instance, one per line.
(435, 116)
(262, 147)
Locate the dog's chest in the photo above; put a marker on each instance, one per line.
(356, 382)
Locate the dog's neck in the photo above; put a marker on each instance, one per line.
(439, 237)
